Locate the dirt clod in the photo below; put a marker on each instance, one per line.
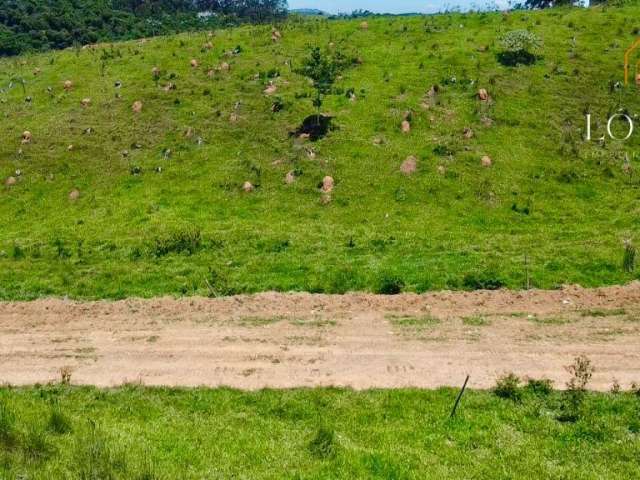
(410, 165)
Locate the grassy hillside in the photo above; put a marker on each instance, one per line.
(565, 204)
(138, 433)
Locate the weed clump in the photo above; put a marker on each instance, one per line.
(390, 285)
(629, 258)
(219, 285)
(323, 445)
(186, 241)
(508, 387)
(58, 422)
(542, 386)
(581, 371)
(482, 281)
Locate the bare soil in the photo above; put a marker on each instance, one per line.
(304, 340)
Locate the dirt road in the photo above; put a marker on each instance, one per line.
(295, 340)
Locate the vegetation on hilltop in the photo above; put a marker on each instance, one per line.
(168, 166)
(34, 25)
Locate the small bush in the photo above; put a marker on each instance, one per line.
(323, 444)
(482, 281)
(542, 386)
(581, 372)
(508, 386)
(17, 253)
(390, 285)
(186, 241)
(519, 47)
(219, 285)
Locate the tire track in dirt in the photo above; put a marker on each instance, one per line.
(304, 340)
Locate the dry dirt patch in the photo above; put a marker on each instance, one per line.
(296, 340)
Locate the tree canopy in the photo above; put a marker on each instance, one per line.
(35, 25)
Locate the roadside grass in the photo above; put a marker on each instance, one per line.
(415, 322)
(614, 312)
(476, 321)
(161, 210)
(550, 320)
(135, 432)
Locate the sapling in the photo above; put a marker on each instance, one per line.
(322, 69)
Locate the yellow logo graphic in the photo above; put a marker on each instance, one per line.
(627, 56)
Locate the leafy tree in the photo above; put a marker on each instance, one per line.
(322, 69)
(28, 25)
(519, 46)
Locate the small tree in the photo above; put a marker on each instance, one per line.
(519, 46)
(323, 70)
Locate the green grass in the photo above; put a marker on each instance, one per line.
(135, 433)
(566, 204)
(476, 321)
(413, 321)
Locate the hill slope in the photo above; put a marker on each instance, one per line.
(565, 204)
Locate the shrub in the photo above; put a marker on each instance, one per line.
(482, 281)
(219, 285)
(519, 47)
(542, 386)
(581, 372)
(508, 386)
(390, 285)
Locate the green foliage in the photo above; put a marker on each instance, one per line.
(486, 280)
(541, 386)
(508, 386)
(28, 25)
(581, 371)
(322, 68)
(390, 285)
(519, 47)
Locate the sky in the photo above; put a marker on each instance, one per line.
(393, 6)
